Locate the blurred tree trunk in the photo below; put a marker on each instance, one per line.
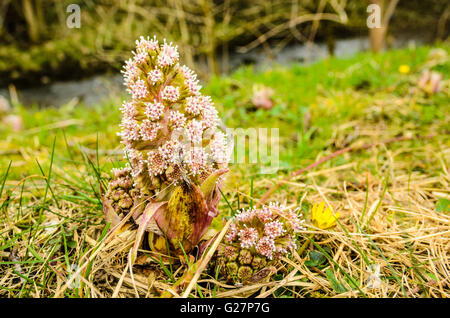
(378, 35)
(209, 33)
(377, 38)
(34, 18)
(441, 27)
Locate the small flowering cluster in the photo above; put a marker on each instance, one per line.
(121, 192)
(268, 231)
(164, 125)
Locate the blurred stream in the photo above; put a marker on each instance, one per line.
(93, 90)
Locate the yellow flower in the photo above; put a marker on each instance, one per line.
(404, 69)
(322, 217)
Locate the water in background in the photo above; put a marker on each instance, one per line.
(97, 88)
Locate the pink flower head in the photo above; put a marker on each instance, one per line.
(294, 220)
(209, 116)
(266, 229)
(155, 76)
(128, 110)
(154, 110)
(274, 229)
(149, 130)
(170, 93)
(232, 233)
(194, 131)
(176, 119)
(130, 129)
(141, 57)
(191, 81)
(120, 172)
(187, 73)
(248, 237)
(156, 163)
(193, 87)
(276, 207)
(139, 89)
(146, 45)
(194, 105)
(137, 161)
(197, 160)
(131, 72)
(279, 251)
(266, 247)
(219, 151)
(168, 55)
(170, 151)
(246, 216)
(265, 214)
(290, 246)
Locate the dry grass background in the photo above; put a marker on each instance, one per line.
(409, 240)
(407, 237)
(391, 222)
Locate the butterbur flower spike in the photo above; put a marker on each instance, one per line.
(255, 241)
(177, 155)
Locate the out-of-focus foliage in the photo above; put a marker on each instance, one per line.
(36, 45)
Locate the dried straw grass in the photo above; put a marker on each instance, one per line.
(394, 224)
